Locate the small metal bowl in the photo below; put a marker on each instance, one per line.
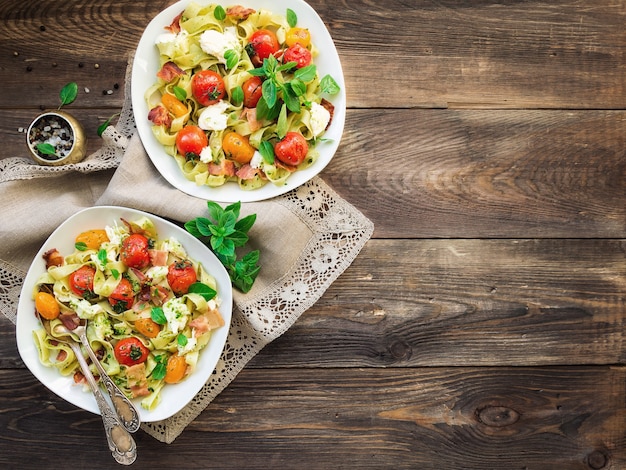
(70, 141)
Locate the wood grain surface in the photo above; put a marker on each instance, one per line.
(482, 327)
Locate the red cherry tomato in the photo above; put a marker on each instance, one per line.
(122, 298)
(180, 275)
(252, 91)
(298, 54)
(190, 141)
(81, 282)
(207, 87)
(292, 149)
(134, 252)
(261, 45)
(130, 351)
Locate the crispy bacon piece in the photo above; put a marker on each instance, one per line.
(79, 378)
(224, 168)
(137, 381)
(207, 321)
(330, 108)
(174, 27)
(158, 257)
(246, 172)
(159, 116)
(238, 12)
(250, 115)
(62, 355)
(280, 164)
(53, 258)
(170, 71)
(70, 320)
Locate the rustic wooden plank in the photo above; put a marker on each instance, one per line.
(466, 173)
(485, 173)
(539, 418)
(535, 54)
(459, 302)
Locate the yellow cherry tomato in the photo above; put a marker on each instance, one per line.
(237, 147)
(175, 369)
(147, 327)
(298, 36)
(46, 305)
(92, 238)
(174, 105)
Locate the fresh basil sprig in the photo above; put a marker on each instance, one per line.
(223, 232)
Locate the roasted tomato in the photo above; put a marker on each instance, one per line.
(261, 45)
(237, 147)
(298, 54)
(130, 351)
(81, 282)
(292, 149)
(134, 252)
(298, 36)
(190, 141)
(122, 298)
(147, 327)
(252, 91)
(208, 87)
(180, 275)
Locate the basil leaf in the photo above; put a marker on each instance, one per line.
(306, 74)
(180, 93)
(290, 98)
(202, 289)
(46, 149)
(68, 93)
(282, 126)
(182, 340)
(219, 13)
(236, 96)
(329, 85)
(80, 246)
(298, 87)
(269, 93)
(158, 316)
(266, 150)
(232, 58)
(292, 18)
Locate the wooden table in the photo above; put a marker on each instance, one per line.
(483, 325)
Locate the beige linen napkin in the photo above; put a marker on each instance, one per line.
(306, 237)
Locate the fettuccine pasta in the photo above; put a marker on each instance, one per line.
(289, 103)
(150, 308)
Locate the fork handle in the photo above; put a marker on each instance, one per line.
(121, 442)
(126, 411)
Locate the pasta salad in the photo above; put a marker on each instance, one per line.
(238, 97)
(150, 308)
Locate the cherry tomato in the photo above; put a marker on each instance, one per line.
(292, 149)
(207, 87)
(92, 239)
(180, 275)
(261, 45)
(298, 36)
(134, 252)
(130, 351)
(252, 91)
(47, 306)
(298, 54)
(122, 298)
(147, 327)
(81, 282)
(237, 147)
(190, 141)
(174, 105)
(175, 369)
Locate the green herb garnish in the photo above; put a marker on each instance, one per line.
(223, 233)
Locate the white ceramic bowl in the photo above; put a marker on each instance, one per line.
(173, 397)
(146, 65)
